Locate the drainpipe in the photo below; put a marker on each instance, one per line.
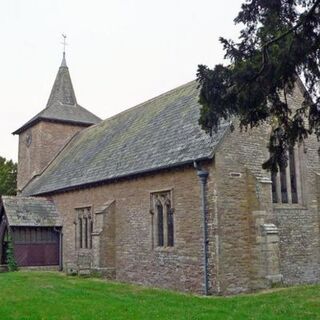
(203, 176)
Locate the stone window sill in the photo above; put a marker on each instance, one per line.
(84, 250)
(289, 206)
(164, 249)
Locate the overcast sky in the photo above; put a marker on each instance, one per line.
(119, 53)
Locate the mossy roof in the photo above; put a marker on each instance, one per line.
(160, 133)
(30, 211)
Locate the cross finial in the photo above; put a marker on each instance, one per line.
(64, 43)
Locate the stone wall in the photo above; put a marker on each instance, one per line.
(38, 145)
(299, 224)
(104, 237)
(137, 259)
(238, 196)
(299, 245)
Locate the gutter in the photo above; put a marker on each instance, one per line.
(203, 177)
(114, 178)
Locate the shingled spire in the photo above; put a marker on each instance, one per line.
(62, 91)
(47, 133)
(62, 105)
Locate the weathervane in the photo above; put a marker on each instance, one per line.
(64, 43)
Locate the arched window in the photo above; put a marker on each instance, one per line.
(80, 233)
(84, 228)
(286, 186)
(170, 232)
(160, 224)
(293, 176)
(283, 183)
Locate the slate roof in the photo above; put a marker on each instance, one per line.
(160, 133)
(62, 104)
(30, 211)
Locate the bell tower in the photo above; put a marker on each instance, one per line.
(46, 134)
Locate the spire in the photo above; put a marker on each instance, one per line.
(62, 104)
(64, 62)
(62, 92)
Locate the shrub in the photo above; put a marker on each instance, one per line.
(11, 261)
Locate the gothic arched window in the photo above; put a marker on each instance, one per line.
(286, 187)
(162, 219)
(170, 233)
(83, 228)
(160, 224)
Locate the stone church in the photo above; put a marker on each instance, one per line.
(147, 197)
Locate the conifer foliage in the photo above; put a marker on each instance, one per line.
(279, 42)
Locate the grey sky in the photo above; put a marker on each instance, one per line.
(119, 52)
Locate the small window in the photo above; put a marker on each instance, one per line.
(285, 182)
(170, 226)
(293, 176)
(84, 228)
(160, 224)
(162, 218)
(80, 232)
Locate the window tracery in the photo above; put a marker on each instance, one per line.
(286, 186)
(162, 218)
(84, 228)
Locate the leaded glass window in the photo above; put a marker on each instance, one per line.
(162, 219)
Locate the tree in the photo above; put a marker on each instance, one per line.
(8, 177)
(280, 41)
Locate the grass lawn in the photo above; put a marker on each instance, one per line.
(49, 295)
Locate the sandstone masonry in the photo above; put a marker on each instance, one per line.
(103, 180)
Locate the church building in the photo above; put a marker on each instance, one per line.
(147, 197)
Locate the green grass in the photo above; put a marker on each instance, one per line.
(46, 295)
